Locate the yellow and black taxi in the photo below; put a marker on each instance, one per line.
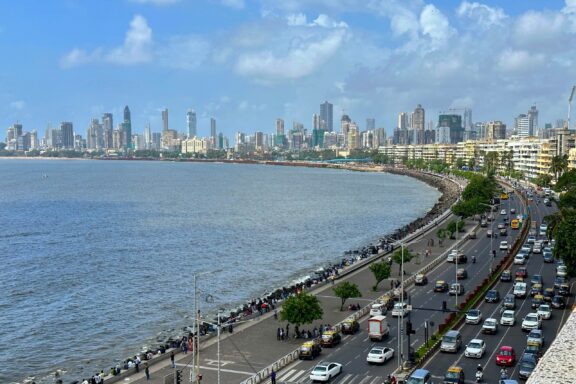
(537, 301)
(454, 375)
(310, 350)
(387, 301)
(441, 286)
(330, 339)
(350, 326)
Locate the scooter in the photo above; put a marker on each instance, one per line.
(479, 376)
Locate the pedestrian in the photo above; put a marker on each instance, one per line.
(287, 331)
(172, 359)
(278, 333)
(147, 371)
(281, 334)
(137, 362)
(391, 284)
(273, 377)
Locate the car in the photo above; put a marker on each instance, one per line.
(522, 272)
(324, 371)
(547, 256)
(490, 326)
(526, 248)
(489, 233)
(520, 290)
(548, 294)
(543, 229)
(536, 290)
(454, 375)
(558, 302)
(483, 223)
(561, 271)
(503, 212)
(420, 376)
(508, 317)
(537, 249)
(453, 255)
(473, 316)
(506, 356)
(472, 235)
(420, 279)
(503, 232)
(535, 336)
(531, 321)
(330, 339)
(350, 327)
(558, 281)
(475, 348)
(310, 350)
(564, 290)
(400, 309)
(456, 289)
(544, 311)
(534, 349)
(378, 309)
(506, 275)
(512, 211)
(536, 279)
(492, 296)
(526, 365)
(501, 226)
(509, 301)
(531, 239)
(537, 301)
(504, 245)
(440, 286)
(519, 259)
(461, 273)
(379, 355)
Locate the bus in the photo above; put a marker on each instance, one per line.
(515, 224)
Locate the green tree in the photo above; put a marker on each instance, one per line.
(559, 165)
(565, 247)
(543, 180)
(300, 309)
(472, 163)
(451, 227)
(345, 291)
(566, 181)
(491, 163)
(381, 271)
(460, 163)
(402, 254)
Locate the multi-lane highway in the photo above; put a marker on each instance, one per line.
(427, 304)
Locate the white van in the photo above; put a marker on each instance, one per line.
(520, 290)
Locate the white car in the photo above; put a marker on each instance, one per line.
(504, 245)
(519, 259)
(490, 326)
(503, 212)
(508, 318)
(379, 355)
(473, 316)
(561, 271)
(512, 211)
(526, 248)
(377, 309)
(544, 311)
(531, 321)
(400, 309)
(475, 348)
(324, 371)
(531, 239)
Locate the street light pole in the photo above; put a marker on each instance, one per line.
(456, 263)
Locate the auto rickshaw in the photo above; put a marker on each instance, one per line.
(330, 339)
(350, 327)
(309, 350)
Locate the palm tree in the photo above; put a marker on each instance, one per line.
(559, 165)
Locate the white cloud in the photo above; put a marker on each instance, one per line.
(301, 60)
(135, 50)
(236, 4)
(485, 16)
(18, 104)
(296, 19)
(519, 60)
(300, 20)
(183, 52)
(539, 30)
(436, 26)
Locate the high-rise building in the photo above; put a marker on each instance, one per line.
(127, 129)
(495, 130)
(213, 127)
(327, 116)
(450, 129)
(165, 125)
(67, 130)
(345, 128)
(522, 125)
(418, 118)
(533, 116)
(354, 140)
(403, 120)
(279, 127)
(147, 137)
(370, 124)
(191, 123)
(315, 121)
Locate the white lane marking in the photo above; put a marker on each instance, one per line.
(286, 375)
(376, 380)
(296, 376)
(227, 370)
(364, 380)
(345, 378)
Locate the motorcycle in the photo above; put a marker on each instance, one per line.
(479, 375)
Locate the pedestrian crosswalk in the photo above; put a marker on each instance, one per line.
(292, 376)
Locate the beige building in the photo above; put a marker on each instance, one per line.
(195, 145)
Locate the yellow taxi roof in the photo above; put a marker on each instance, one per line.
(455, 369)
(308, 344)
(329, 332)
(440, 281)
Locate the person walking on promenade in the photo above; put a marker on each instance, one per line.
(147, 371)
(278, 333)
(273, 377)
(287, 336)
(137, 362)
(172, 359)
(281, 334)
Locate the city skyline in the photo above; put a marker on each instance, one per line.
(248, 63)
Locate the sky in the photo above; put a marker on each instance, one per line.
(248, 62)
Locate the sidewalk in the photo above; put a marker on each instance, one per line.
(253, 345)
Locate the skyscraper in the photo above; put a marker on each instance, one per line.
(403, 120)
(279, 126)
(213, 127)
(67, 130)
(191, 123)
(418, 118)
(127, 129)
(370, 124)
(495, 130)
(533, 116)
(345, 128)
(327, 116)
(107, 129)
(165, 125)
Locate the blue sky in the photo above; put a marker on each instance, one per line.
(248, 62)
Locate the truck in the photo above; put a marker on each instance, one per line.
(378, 328)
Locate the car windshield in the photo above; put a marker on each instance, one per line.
(531, 318)
(321, 369)
(490, 323)
(473, 312)
(376, 351)
(527, 365)
(544, 308)
(475, 344)
(449, 339)
(415, 380)
(505, 352)
(507, 314)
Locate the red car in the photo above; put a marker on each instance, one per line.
(506, 356)
(521, 272)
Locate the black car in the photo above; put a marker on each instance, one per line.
(559, 280)
(506, 275)
(492, 296)
(558, 302)
(526, 366)
(564, 290)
